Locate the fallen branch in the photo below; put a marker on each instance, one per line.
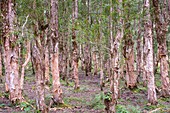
(157, 109)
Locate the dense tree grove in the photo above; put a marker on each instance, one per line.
(123, 45)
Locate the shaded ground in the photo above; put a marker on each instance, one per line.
(86, 100)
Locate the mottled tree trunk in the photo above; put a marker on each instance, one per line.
(1, 63)
(139, 56)
(161, 26)
(115, 46)
(27, 59)
(95, 62)
(87, 49)
(131, 78)
(14, 87)
(5, 30)
(87, 59)
(148, 53)
(75, 46)
(40, 78)
(10, 51)
(101, 75)
(47, 66)
(57, 91)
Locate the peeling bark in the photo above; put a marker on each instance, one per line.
(12, 83)
(56, 91)
(47, 66)
(115, 46)
(148, 53)
(95, 62)
(139, 57)
(131, 78)
(75, 46)
(40, 78)
(161, 26)
(1, 63)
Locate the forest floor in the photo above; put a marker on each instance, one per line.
(88, 99)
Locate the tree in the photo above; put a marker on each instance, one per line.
(38, 53)
(161, 27)
(1, 62)
(148, 54)
(115, 47)
(57, 91)
(131, 78)
(74, 43)
(11, 51)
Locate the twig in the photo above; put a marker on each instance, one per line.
(154, 110)
(24, 25)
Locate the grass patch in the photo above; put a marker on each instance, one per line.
(67, 100)
(133, 109)
(121, 109)
(69, 83)
(29, 78)
(150, 107)
(97, 102)
(81, 89)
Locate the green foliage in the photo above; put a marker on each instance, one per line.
(108, 96)
(6, 94)
(68, 83)
(150, 107)
(121, 109)
(97, 102)
(133, 109)
(25, 106)
(2, 105)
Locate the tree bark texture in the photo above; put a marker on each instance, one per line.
(131, 78)
(27, 59)
(139, 56)
(40, 78)
(161, 26)
(57, 91)
(75, 46)
(47, 66)
(10, 51)
(148, 54)
(1, 63)
(115, 46)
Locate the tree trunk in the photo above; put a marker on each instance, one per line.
(1, 63)
(10, 51)
(27, 59)
(95, 61)
(101, 74)
(131, 78)
(47, 66)
(57, 91)
(139, 56)
(75, 47)
(161, 26)
(5, 30)
(148, 53)
(14, 87)
(115, 46)
(40, 78)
